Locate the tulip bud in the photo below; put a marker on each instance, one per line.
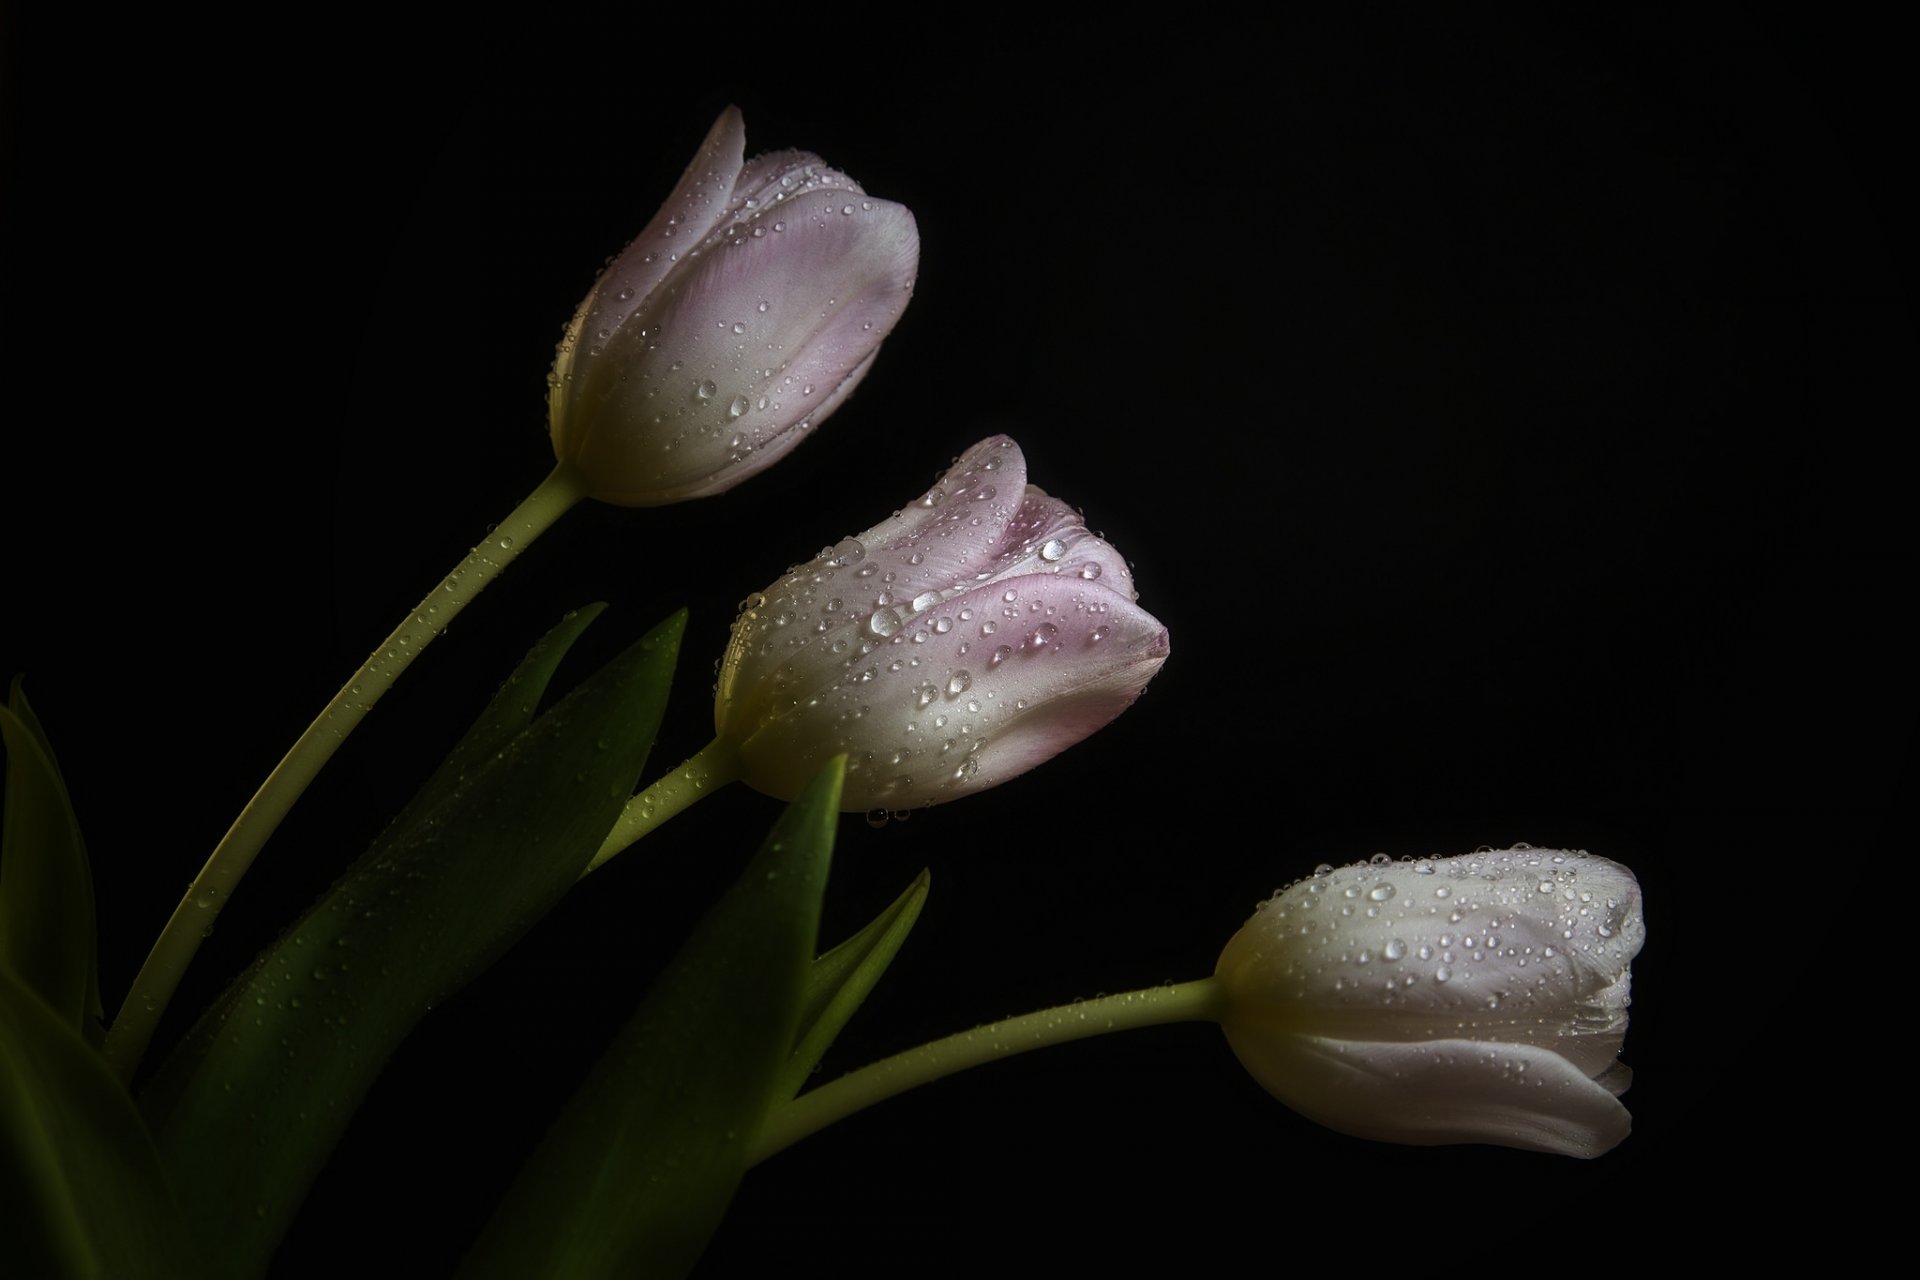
(954, 646)
(1473, 999)
(745, 313)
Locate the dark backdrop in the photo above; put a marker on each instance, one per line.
(1495, 413)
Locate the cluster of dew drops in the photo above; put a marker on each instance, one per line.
(1553, 887)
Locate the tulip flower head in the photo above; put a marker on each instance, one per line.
(1473, 999)
(744, 314)
(956, 645)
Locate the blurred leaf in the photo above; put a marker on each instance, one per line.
(47, 930)
(839, 981)
(638, 1169)
(247, 1110)
(80, 1185)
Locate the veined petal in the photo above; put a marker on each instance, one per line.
(697, 204)
(768, 181)
(738, 350)
(790, 640)
(968, 694)
(1048, 536)
(1438, 1091)
(948, 538)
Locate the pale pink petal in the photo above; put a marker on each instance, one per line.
(696, 206)
(715, 380)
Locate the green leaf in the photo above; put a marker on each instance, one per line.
(839, 981)
(80, 1185)
(637, 1171)
(247, 1110)
(46, 891)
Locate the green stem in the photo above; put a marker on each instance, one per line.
(173, 951)
(707, 770)
(1198, 1001)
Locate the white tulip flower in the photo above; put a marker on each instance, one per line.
(1473, 999)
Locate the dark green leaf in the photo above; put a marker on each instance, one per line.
(46, 891)
(637, 1171)
(80, 1186)
(247, 1110)
(839, 981)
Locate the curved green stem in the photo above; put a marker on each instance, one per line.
(173, 951)
(706, 770)
(1198, 1001)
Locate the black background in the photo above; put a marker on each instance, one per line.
(1496, 413)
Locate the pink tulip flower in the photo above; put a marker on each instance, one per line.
(748, 309)
(946, 650)
(1472, 999)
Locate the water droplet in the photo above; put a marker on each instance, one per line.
(737, 407)
(1043, 635)
(1380, 892)
(883, 622)
(926, 695)
(1000, 655)
(925, 600)
(1053, 549)
(1443, 974)
(779, 226)
(764, 304)
(959, 683)
(1394, 950)
(1443, 892)
(707, 390)
(1089, 571)
(1100, 632)
(942, 625)
(739, 327)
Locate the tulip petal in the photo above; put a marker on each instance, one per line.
(970, 693)
(860, 591)
(742, 348)
(698, 203)
(950, 537)
(769, 180)
(1048, 536)
(1438, 1092)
